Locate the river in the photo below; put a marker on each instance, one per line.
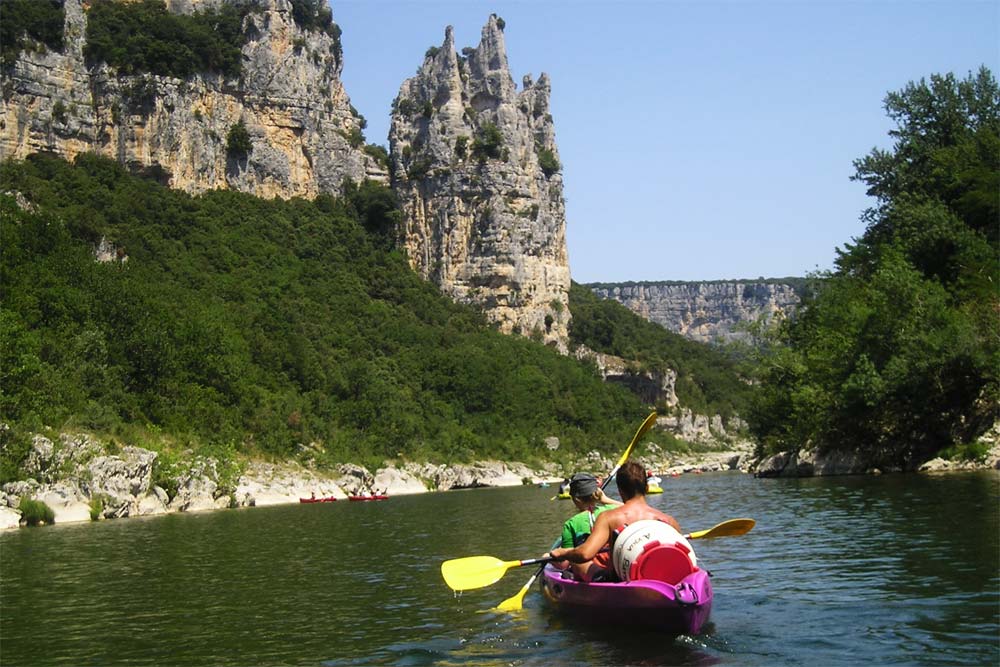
(887, 570)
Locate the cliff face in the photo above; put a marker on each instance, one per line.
(475, 164)
(704, 311)
(288, 96)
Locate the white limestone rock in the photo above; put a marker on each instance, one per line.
(9, 518)
(396, 482)
(66, 501)
(289, 96)
(475, 165)
(704, 311)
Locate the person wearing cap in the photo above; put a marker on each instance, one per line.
(591, 500)
(592, 558)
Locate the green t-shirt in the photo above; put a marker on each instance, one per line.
(577, 529)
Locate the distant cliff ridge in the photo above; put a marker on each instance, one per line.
(476, 167)
(288, 96)
(705, 311)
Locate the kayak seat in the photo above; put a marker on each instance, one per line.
(662, 562)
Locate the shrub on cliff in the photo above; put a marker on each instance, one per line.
(708, 381)
(238, 143)
(548, 162)
(488, 143)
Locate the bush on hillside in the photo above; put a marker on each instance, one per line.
(267, 325)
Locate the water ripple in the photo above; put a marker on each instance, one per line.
(897, 570)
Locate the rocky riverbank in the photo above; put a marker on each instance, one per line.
(809, 462)
(81, 479)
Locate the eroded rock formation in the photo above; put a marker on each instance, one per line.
(475, 164)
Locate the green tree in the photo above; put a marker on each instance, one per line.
(267, 327)
(488, 143)
(238, 143)
(896, 354)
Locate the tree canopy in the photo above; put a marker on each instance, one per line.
(896, 351)
(270, 327)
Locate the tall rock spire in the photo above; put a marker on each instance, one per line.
(476, 167)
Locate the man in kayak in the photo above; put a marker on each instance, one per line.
(591, 559)
(590, 501)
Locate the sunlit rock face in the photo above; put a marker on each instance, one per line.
(704, 311)
(475, 164)
(288, 96)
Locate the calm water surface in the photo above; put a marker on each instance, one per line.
(891, 570)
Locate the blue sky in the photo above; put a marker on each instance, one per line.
(699, 140)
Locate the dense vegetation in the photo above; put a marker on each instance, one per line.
(24, 22)
(143, 37)
(708, 380)
(897, 352)
(264, 327)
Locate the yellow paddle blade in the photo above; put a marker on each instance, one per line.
(726, 529)
(516, 602)
(643, 428)
(463, 574)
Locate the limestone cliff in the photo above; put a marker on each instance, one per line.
(475, 164)
(288, 96)
(705, 311)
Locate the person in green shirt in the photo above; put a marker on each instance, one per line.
(590, 500)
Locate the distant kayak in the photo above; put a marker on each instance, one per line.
(328, 499)
(360, 498)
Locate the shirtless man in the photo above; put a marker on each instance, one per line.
(587, 559)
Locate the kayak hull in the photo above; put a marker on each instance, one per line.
(329, 499)
(356, 499)
(678, 609)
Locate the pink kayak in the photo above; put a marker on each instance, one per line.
(361, 498)
(680, 609)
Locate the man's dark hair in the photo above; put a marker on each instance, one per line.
(631, 480)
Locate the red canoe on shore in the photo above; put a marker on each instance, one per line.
(360, 498)
(328, 499)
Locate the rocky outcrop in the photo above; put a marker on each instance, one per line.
(810, 461)
(653, 387)
(692, 427)
(473, 475)
(704, 311)
(475, 164)
(80, 480)
(289, 97)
